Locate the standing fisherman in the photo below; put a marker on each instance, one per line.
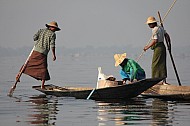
(159, 68)
(44, 42)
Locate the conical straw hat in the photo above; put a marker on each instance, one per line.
(150, 20)
(53, 24)
(119, 58)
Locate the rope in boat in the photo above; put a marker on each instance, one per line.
(156, 30)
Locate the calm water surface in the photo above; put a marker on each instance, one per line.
(30, 107)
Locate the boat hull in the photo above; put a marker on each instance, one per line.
(126, 91)
(168, 92)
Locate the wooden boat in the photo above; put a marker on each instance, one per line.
(168, 92)
(113, 90)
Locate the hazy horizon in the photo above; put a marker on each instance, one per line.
(132, 51)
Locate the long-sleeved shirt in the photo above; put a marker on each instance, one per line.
(132, 70)
(45, 40)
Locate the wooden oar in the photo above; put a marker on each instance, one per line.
(168, 42)
(19, 75)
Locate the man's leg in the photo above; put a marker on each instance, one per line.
(42, 86)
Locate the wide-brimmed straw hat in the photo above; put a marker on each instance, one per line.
(53, 24)
(151, 19)
(119, 58)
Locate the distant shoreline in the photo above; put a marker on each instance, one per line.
(91, 51)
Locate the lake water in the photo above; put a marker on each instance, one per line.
(30, 107)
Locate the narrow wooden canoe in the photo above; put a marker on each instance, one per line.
(168, 92)
(126, 91)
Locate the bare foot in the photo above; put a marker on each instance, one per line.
(165, 83)
(42, 87)
(128, 82)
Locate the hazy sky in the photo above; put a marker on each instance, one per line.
(91, 22)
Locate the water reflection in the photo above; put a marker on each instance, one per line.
(139, 111)
(160, 113)
(44, 110)
(121, 112)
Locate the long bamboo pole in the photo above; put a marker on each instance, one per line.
(168, 42)
(155, 32)
(19, 75)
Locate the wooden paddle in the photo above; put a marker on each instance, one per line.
(19, 75)
(168, 43)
